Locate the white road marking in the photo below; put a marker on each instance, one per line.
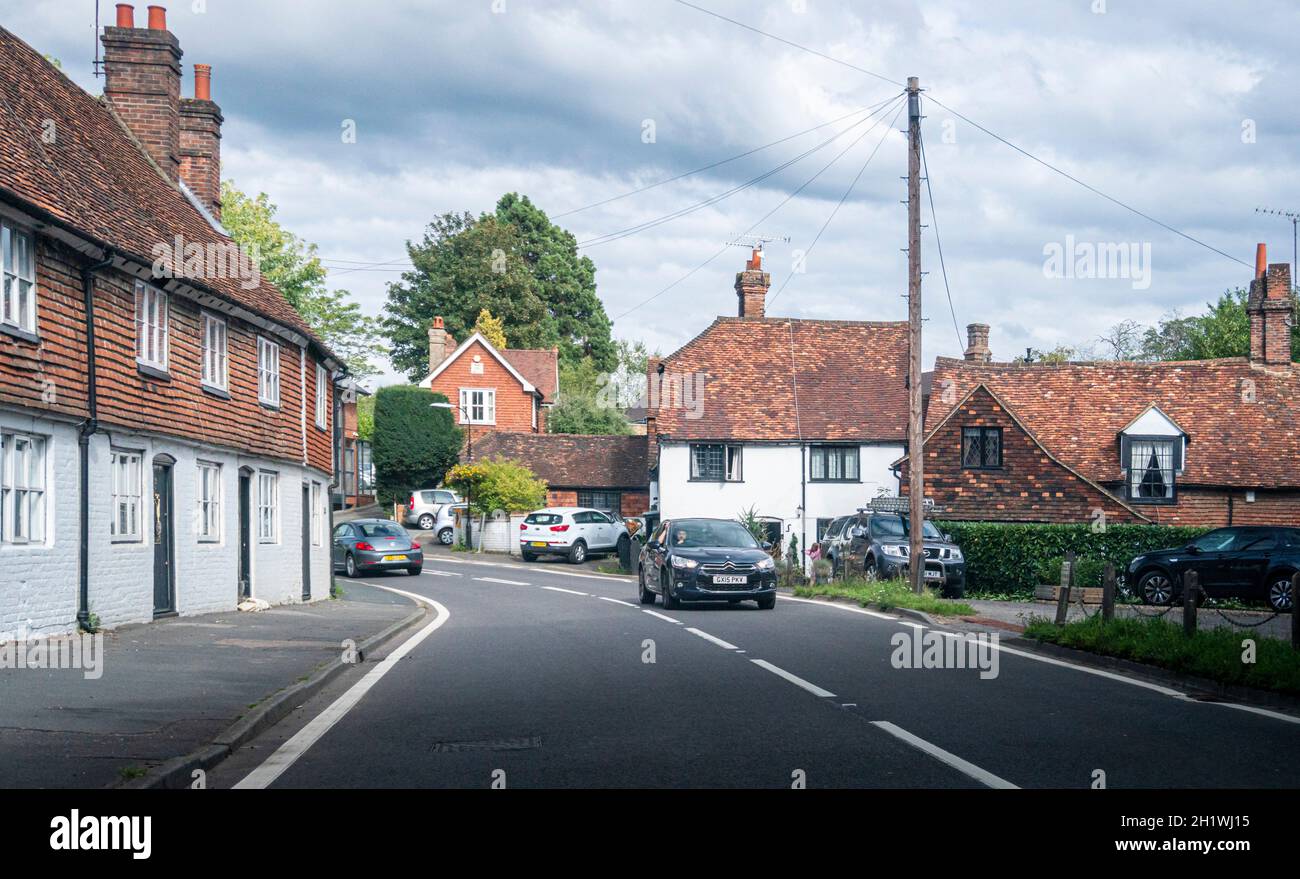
(616, 601)
(837, 606)
(497, 580)
(983, 776)
(1276, 715)
(794, 679)
(654, 613)
(609, 578)
(288, 753)
(443, 573)
(707, 637)
(569, 591)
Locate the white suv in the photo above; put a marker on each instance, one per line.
(575, 532)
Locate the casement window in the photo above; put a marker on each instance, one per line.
(1151, 464)
(322, 396)
(151, 340)
(317, 514)
(216, 368)
(125, 467)
(268, 372)
(833, 463)
(716, 462)
(268, 507)
(606, 501)
(981, 448)
(208, 513)
(22, 488)
(18, 277)
(479, 404)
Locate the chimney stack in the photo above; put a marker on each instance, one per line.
(438, 343)
(1269, 307)
(977, 343)
(752, 285)
(200, 141)
(142, 70)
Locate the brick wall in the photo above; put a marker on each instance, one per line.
(632, 503)
(1216, 507)
(514, 406)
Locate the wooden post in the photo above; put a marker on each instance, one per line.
(1108, 593)
(1191, 586)
(1063, 596)
(1295, 612)
(915, 437)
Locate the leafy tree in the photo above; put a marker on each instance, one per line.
(583, 406)
(1059, 354)
(414, 444)
(292, 265)
(366, 418)
(492, 328)
(1223, 331)
(498, 484)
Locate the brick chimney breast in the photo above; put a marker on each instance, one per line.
(1269, 307)
(751, 287)
(200, 141)
(142, 81)
(439, 340)
(977, 343)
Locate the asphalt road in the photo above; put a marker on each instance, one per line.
(538, 676)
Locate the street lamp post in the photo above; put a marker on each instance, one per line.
(469, 451)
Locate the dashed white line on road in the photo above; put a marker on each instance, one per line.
(707, 637)
(569, 591)
(616, 601)
(794, 679)
(443, 573)
(983, 776)
(498, 580)
(655, 613)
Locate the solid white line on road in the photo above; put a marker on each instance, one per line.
(794, 679)
(836, 606)
(983, 776)
(1276, 715)
(569, 591)
(507, 582)
(655, 613)
(288, 753)
(707, 637)
(616, 601)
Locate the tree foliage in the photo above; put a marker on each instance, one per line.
(414, 444)
(498, 484)
(366, 417)
(492, 328)
(582, 407)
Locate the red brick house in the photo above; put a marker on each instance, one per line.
(503, 390)
(356, 476)
(1210, 442)
(166, 417)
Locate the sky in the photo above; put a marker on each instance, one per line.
(1182, 110)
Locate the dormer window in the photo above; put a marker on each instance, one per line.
(1151, 454)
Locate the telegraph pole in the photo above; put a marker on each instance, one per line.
(915, 469)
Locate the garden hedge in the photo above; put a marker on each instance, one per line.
(1005, 558)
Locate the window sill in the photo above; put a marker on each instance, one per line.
(985, 469)
(215, 391)
(153, 372)
(322, 428)
(19, 333)
(127, 541)
(716, 481)
(840, 481)
(275, 407)
(1153, 502)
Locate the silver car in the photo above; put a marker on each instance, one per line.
(424, 505)
(445, 527)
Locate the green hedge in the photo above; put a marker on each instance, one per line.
(1003, 558)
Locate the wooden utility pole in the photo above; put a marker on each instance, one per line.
(916, 463)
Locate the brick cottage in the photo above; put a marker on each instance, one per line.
(166, 416)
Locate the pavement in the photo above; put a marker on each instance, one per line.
(171, 686)
(547, 676)
(1013, 615)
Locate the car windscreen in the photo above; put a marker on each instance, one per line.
(380, 529)
(1216, 541)
(701, 532)
(544, 519)
(886, 527)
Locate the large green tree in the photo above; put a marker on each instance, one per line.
(585, 404)
(513, 262)
(414, 443)
(1223, 331)
(292, 265)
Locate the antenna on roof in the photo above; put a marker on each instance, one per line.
(97, 66)
(755, 242)
(1294, 217)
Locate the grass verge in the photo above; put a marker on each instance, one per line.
(1217, 654)
(887, 594)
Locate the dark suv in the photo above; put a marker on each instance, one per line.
(878, 547)
(1253, 562)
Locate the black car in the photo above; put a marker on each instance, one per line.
(375, 545)
(1252, 562)
(705, 560)
(878, 547)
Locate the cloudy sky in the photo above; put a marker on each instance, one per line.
(1183, 110)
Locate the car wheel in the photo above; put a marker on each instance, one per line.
(951, 591)
(446, 536)
(426, 522)
(1155, 587)
(646, 596)
(350, 566)
(528, 556)
(767, 603)
(578, 553)
(869, 572)
(1281, 595)
(415, 570)
(670, 602)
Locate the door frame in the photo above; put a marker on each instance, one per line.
(307, 536)
(164, 531)
(244, 557)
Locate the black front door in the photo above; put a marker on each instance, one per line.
(245, 541)
(306, 542)
(164, 576)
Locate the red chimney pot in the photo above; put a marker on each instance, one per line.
(125, 15)
(1261, 260)
(203, 82)
(157, 18)
(437, 323)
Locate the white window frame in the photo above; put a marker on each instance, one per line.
(215, 352)
(268, 372)
(152, 342)
(208, 491)
(322, 395)
(268, 506)
(17, 278)
(22, 488)
(488, 405)
(126, 469)
(317, 515)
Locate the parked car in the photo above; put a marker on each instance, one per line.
(375, 545)
(705, 560)
(878, 547)
(835, 542)
(423, 506)
(445, 526)
(1253, 562)
(575, 532)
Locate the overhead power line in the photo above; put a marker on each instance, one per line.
(934, 224)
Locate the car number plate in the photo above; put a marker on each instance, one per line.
(394, 558)
(934, 575)
(539, 543)
(730, 579)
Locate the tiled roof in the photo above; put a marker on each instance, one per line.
(539, 365)
(93, 177)
(850, 379)
(1242, 422)
(571, 460)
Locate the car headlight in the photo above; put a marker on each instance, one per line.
(767, 564)
(895, 550)
(956, 554)
(688, 564)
